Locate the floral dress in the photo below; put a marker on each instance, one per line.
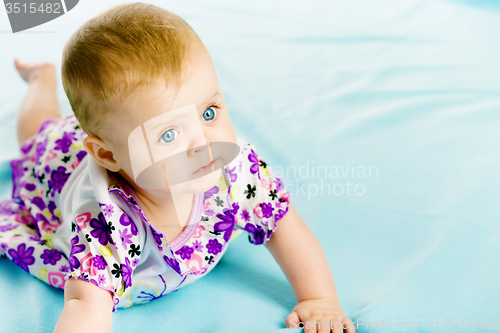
(70, 217)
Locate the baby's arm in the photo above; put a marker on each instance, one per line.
(86, 308)
(300, 256)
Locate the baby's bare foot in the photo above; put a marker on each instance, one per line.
(30, 72)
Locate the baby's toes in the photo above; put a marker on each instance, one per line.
(24, 69)
(29, 71)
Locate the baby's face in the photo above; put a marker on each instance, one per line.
(160, 141)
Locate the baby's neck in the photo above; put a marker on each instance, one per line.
(169, 214)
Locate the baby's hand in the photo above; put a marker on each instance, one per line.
(319, 315)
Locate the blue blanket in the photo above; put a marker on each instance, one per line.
(383, 120)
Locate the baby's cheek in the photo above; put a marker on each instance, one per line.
(123, 157)
(228, 132)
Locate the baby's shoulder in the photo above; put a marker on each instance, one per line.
(94, 193)
(244, 147)
(102, 213)
(243, 144)
(248, 168)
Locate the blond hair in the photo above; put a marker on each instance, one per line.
(126, 47)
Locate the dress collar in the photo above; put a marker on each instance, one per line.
(168, 249)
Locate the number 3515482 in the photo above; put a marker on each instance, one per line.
(32, 8)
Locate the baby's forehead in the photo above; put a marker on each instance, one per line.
(188, 113)
(153, 98)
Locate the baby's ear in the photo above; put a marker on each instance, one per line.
(101, 153)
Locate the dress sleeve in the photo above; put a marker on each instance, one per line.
(261, 197)
(104, 248)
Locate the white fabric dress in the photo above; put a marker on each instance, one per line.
(69, 217)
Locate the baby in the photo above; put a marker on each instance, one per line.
(140, 192)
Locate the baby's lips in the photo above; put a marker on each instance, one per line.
(208, 166)
(177, 168)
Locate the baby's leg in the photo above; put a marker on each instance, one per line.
(40, 102)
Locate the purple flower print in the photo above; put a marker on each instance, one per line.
(64, 269)
(135, 262)
(18, 172)
(245, 215)
(41, 218)
(279, 184)
(267, 209)
(23, 257)
(108, 210)
(50, 257)
(52, 207)
(26, 146)
(74, 263)
(227, 224)
(252, 157)
(214, 246)
(40, 150)
(208, 194)
(125, 237)
(4, 228)
(209, 212)
(37, 201)
(101, 280)
(65, 142)
(99, 262)
(280, 214)
(127, 273)
(232, 175)
(198, 246)
(126, 221)
(81, 154)
(58, 179)
(257, 232)
(46, 124)
(173, 263)
(29, 187)
(236, 207)
(101, 230)
(157, 237)
(7, 207)
(185, 252)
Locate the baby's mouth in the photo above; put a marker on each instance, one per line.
(209, 166)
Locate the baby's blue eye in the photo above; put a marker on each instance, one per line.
(168, 136)
(209, 114)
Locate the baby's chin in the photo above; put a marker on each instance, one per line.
(197, 185)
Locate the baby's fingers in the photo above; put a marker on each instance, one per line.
(348, 324)
(292, 320)
(336, 325)
(308, 322)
